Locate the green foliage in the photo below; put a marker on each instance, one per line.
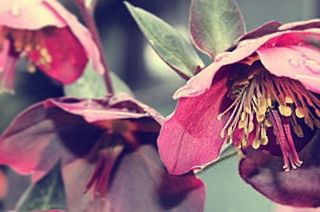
(91, 85)
(172, 46)
(48, 193)
(215, 24)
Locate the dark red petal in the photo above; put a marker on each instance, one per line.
(191, 137)
(67, 54)
(299, 188)
(265, 29)
(301, 25)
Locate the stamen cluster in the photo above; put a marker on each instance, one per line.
(264, 103)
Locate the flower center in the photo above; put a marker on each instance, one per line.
(261, 102)
(30, 43)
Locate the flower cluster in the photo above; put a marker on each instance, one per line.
(261, 95)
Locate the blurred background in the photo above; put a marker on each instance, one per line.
(153, 82)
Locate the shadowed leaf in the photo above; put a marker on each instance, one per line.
(215, 24)
(48, 193)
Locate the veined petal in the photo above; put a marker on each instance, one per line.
(190, 138)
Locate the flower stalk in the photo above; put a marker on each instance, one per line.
(87, 12)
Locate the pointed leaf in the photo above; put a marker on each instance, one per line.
(215, 24)
(48, 193)
(171, 46)
(91, 85)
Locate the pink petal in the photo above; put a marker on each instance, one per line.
(35, 140)
(203, 81)
(68, 60)
(28, 14)
(190, 138)
(4, 53)
(80, 32)
(282, 208)
(96, 110)
(293, 59)
(7, 69)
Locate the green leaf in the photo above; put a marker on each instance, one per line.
(91, 85)
(215, 24)
(172, 46)
(48, 193)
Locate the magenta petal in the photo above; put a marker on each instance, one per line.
(68, 60)
(190, 138)
(82, 34)
(299, 188)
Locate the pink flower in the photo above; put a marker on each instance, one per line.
(48, 36)
(107, 149)
(262, 95)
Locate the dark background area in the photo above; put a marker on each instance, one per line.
(154, 83)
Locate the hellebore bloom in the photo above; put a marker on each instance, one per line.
(107, 148)
(261, 95)
(48, 36)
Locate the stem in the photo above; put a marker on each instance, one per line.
(222, 158)
(88, 16)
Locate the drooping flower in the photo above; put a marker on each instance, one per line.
(261, 95)
(48, 36)
(107, 148)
